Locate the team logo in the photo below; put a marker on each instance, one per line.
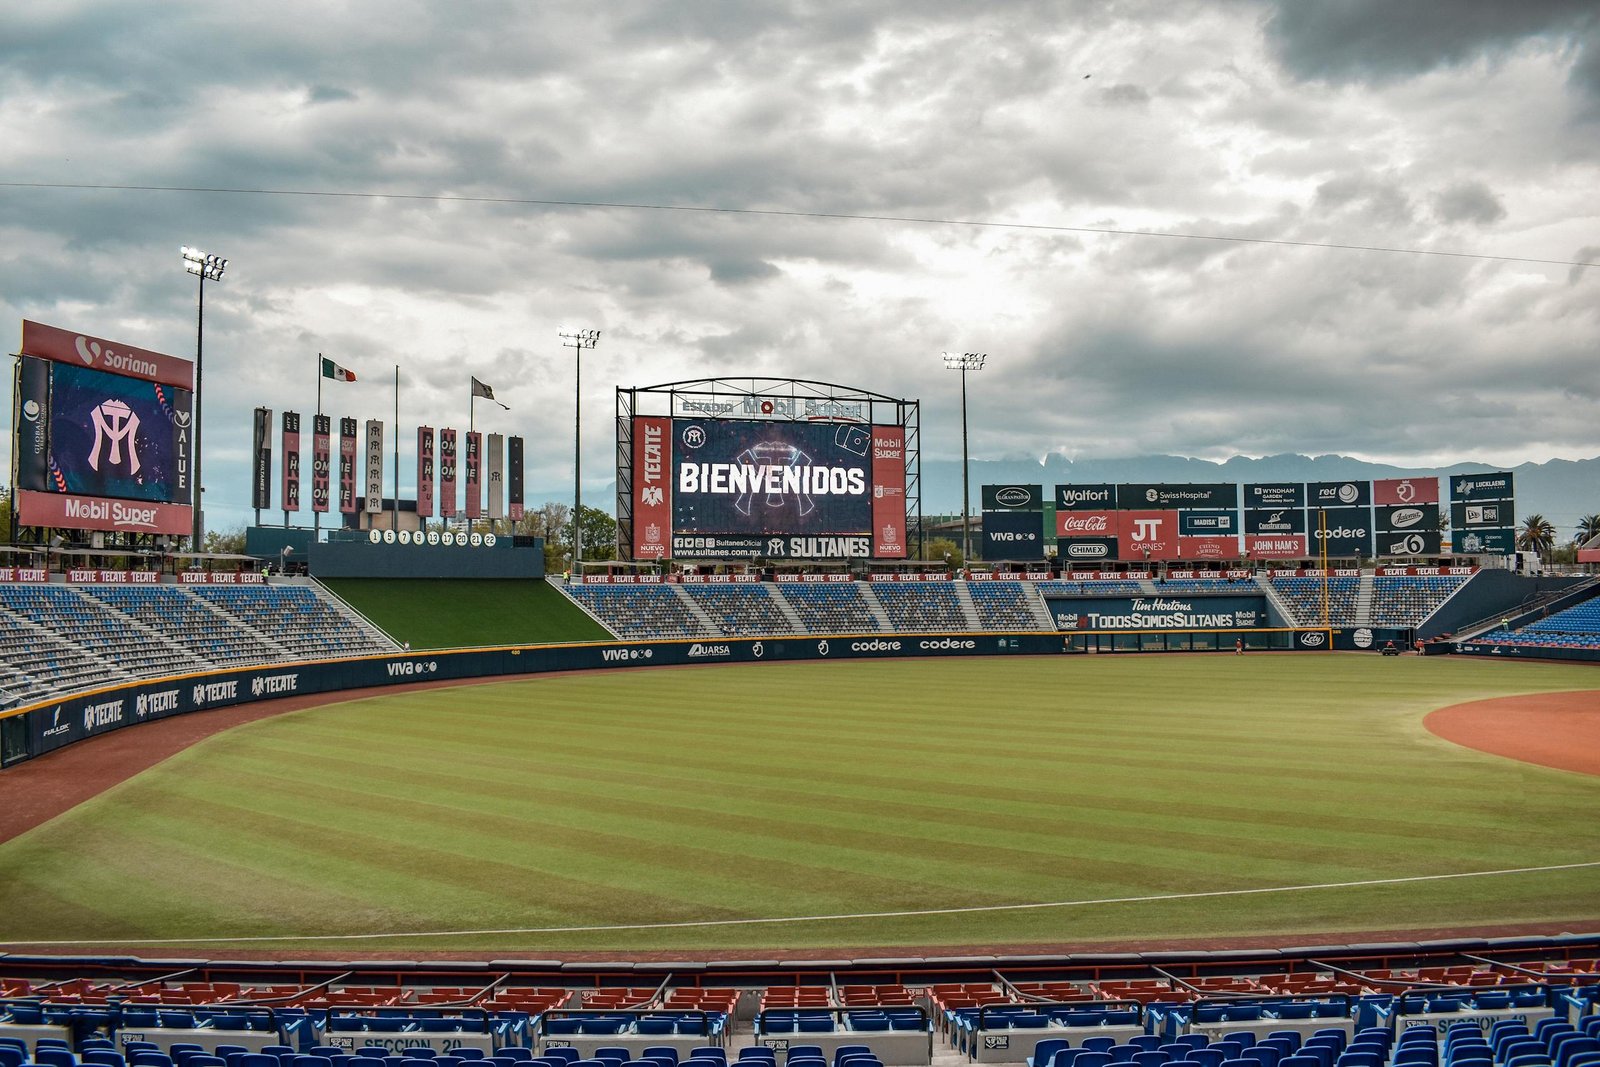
(775, 548)
(693, 436)
(1405, 492)
(652, 494)
(114, 424)
(758, 650)
(822, 648)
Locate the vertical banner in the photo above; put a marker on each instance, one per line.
(374, 502)
(261, 460)
(321, 465)
(494, 467)
(347, 466)
(33, 443)
(474, 496)
(652, 487)
(291, 461)
(447, 474)
(1405, 492)
(889, 492)
(514, 476)
(424, 471)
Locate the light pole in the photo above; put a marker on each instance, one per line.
(964, 362)
(577, 340)
(203, 265)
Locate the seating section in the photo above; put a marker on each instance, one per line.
(1303, 596)
(639, 611)
(831, 607)
(70, 638)
(914, 606)
(748, 610)
(1007, 605)
(1074, 587)
(1576, 627)
(1408, 600)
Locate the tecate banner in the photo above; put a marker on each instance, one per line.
(1171, 497)
(1468, 488)
(652, 487)
(1275, 495)
(758, 479)
(1102, 497)
(1405, 492)
(1013, 497)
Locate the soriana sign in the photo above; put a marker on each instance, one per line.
(64, 346)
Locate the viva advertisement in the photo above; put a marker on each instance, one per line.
(1013, 535)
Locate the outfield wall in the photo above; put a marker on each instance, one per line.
(36, 729)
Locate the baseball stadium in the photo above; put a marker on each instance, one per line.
(1211, 775)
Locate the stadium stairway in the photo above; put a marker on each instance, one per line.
(874, 605)
(708, 626)
(1364, 598)
(1279, 608)
(969, 610)
(786, 609)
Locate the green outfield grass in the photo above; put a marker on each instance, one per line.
(780, 790)
(460, 613)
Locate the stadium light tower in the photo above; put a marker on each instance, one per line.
(964, 362)
(203, 265)
(577, 340)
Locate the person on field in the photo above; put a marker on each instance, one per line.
(1238, 646)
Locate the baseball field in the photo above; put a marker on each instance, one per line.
(905, 805)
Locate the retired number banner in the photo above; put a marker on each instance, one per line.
(291, 461)
(514, 476)
(347, 466)
(374, 502)
(424, 471)
(321, 465)
(447, 473)
(474, 501)
(261, 453)
(495, 466)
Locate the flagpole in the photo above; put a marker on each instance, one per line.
(472, 414)
(316, 516)
(395, 525)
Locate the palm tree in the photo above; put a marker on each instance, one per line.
(1537, 534)
(1588, 529)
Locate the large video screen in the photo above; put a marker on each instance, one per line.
(110, 435)
(727, 488)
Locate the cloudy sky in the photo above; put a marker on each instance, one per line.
(403, 183)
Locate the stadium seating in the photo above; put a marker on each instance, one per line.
(1575, 627)
(926, 606)
(748, 610)
(637, 612)
(831, 607)
(1008, 605)
(1303, 597)
(1405, 600)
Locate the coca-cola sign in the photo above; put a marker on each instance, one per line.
(1085, 524)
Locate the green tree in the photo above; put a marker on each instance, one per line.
(599, 532)
(5, 513)
(944, 548)
(1537, 534)
(1588, 529)
(225, 540)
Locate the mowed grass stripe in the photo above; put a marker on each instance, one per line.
(787, 788)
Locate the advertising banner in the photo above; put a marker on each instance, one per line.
(70, 511)
(494, 469)
(1274, 521)
(652, 487)
(33, 427)
(374, 466)
(1348, 531)
(1405, 492)
(425, 465)
(291, 461)
(1501, 542)
(472, 489)
(1277, 496)
(784, 490)
(115, 436)
(1493, 514)
(1418, 543)
(1013, 498)
(347, 466)
(321, 461)
(1277, 546)
(1337, 495)
(261, 461)
(447, 473)
(514, 462)
(1013, 535)
(1147, 535)
(1208, 547)
(1170, 497)
(1407, 517)
(1207, 523)
(1087, 549)
(889, 492)
(1101, 497)
(1096, 524)
(1470, 488)
(1158, 613)
(96, 353)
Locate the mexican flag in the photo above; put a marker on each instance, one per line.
(330, 369)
